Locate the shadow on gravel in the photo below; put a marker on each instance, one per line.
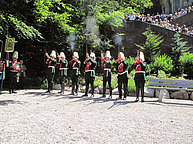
(43, 94)
(118, 103)
(169, 104)
(7, 102)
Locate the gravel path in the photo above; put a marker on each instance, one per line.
(31, 117)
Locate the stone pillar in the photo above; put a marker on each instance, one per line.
(172, 6)
(167, 7)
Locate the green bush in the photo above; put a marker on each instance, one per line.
(161, 74)
(114, 81)
(98, 81)
(131, 86)
(163, 62)
(131, 60)
(187, 61)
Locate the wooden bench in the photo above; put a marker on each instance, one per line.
(170, 84)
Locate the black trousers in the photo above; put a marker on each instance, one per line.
(12, 81)
(50, 78)
(75, 83)
(139, 86)
(89, 80)
(123, 81)
(105, 80)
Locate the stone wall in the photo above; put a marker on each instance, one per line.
(186, 19)
(133, 35)
(171, 6)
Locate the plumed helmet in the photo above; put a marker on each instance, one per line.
(122, 55)
(62, 55)
(92, 55)
(142, 56)
(15, 55)
(53, 54)
(108, 54)
(76, 54)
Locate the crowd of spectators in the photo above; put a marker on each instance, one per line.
(164, 20)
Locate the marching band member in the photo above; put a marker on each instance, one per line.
(75, 66)
(63, 66)
(14, 72)
(90, 73)
(107, 64)
(51, 63)
(122, 67)
(139, 78)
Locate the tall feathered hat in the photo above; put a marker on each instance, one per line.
(76, 55)
(122, 55)
(141, 56)
(92, 55)
(108, 54)
(15, 55)
(53, 54)
(62, 55)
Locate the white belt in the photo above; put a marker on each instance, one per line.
(140, 72)
(90, 71)
(63, 68)
(122, 72)
(75, 68)
(52, 68)
(108, 70)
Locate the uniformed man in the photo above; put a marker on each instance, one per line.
(13, 72)
(22, 73)
(90, 73)
(107, 64)
(139, 78)
(63, 66)
(122, 67)
(75, 66)
(51, 63)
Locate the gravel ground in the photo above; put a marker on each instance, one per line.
(32, 117)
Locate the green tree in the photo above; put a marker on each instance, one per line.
(178, 49)
(151, 45)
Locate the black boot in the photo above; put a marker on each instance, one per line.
(110, 92)
(48, 91)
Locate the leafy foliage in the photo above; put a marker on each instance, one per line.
(178, 49)
(161, 74)
(187, 62)
(163, 62)
(151, 46)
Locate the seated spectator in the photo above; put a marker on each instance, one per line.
(182, 12)
(161, 24)
(128, 17)
(172, 28)
(157, 16)
(148, 19)
(143, 18)
(163, 15)
(137, 17)
(156, 22)
(175, 15)
(132, 17)
(189, 9)
(178, 29)
(179, 14)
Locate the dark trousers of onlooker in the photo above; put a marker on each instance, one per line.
(139, 86)
(123, 81)
(105, 80)
(12, 82)
(75, 83)
(89, 80)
